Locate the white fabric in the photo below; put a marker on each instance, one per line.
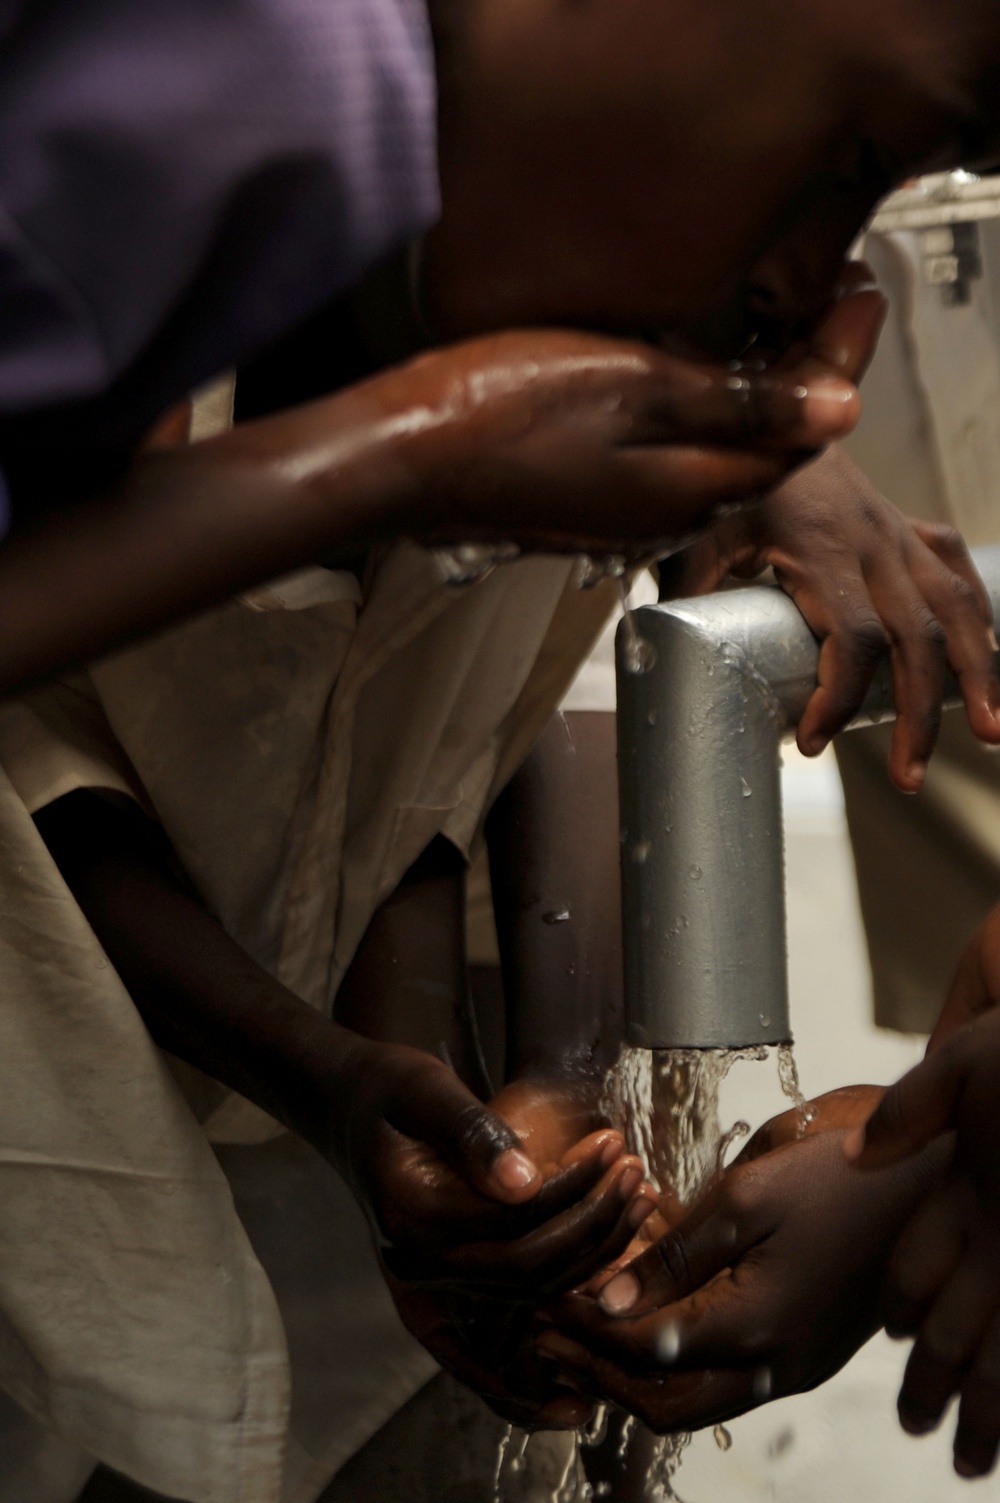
(299, 756)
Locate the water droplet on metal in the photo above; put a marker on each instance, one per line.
(556, 916)
(696, 874)
(746, 789)
(640, 852)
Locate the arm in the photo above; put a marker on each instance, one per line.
(444, 1180)
(520, 436)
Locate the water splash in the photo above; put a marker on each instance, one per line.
(503, 1445)
(638, 655)
(666, 1102)
(788, 1077)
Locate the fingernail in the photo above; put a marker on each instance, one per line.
(618, 1296)
(612, 1152)
(514, 1170)
(629, 1182)
(854, 1143)
(829, 403)
(916, 773)
(917, 1424)
(639, 1211)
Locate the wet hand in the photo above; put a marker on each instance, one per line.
(944, 1277)
(455, 1197)
(576, 442)
(867, 581)
(475, 1314)
(766, 1288)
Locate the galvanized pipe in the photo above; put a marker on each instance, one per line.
(699, 734)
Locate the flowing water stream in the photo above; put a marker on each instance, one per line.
(667, 1104)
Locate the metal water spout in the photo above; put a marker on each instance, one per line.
(699, 736)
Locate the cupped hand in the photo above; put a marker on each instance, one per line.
(944, 1277)
(469, 1291)
(455, 1198)
(766, 1288)
(577, 442)
(868, 581)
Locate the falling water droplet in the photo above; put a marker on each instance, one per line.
(502, 1448)
(722, 1438)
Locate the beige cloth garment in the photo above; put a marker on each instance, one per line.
(300, 752)
(928, 868)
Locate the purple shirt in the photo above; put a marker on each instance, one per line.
(182, 180)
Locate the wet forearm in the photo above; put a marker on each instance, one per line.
(189, 526)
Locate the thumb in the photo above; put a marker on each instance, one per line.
(912, 1113)
(705, 1243)
(434, 1107)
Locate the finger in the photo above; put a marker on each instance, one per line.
(681, 1402)
(422, 1219)
(847, 337)
(978, 1433)
(952, 587)
(562, 1409)
(433, 1106)
(926, 1256)
(853, 643)
(565, 1250)
(917, 654)
(706, 1242)
(912, 1112)
(948, 1340)
(805, 409)
(707, 1329)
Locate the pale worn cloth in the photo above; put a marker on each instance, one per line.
(928, 868)
(300, 746)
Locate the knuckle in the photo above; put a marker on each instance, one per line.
(675, 1258)
(927, 629)
(963, 596)
(948, 540)
(864, 635)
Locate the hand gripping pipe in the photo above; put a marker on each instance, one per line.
(703, 849)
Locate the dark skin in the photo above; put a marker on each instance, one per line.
(665, 169)
(944, 1280)
(474, 1209)
(870, 583)
(767, 1287)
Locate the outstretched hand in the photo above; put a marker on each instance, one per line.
(944, 1281)
(868, 581)
(766, 1288)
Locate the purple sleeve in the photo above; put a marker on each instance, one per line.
(181, 180)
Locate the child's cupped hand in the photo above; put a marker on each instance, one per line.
(765, 1288)
(483, 1211)
(519, 1197)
